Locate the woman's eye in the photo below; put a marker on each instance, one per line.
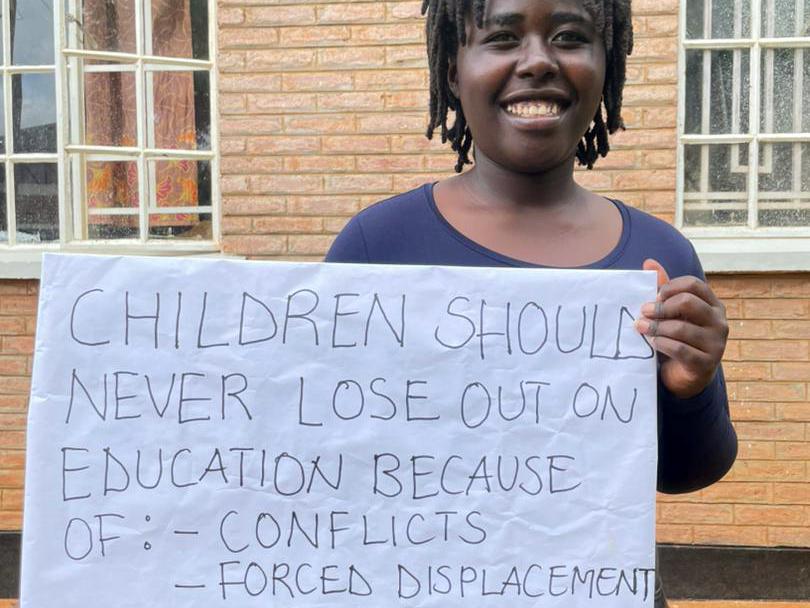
(502, 37)
(571, 38)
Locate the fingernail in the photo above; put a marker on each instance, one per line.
(642, 325)
(648, 309)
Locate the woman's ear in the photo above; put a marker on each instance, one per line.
(452, 77)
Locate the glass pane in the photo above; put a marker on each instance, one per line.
(784, 184)
(779, 18)
(112, 199)
(182, 118)
(715, 185)
(3, 206)
(181, 185)
(180, 28)
(104, 25)
(109, 109)
(36, 200)
(34, 112)
(785, 107)
(2, 122)
(196, 226)
(718, 18)
(728, 91)
(32, 32)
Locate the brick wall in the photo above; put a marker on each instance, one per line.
(18, 306)
(322, 112)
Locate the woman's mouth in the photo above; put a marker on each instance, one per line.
(534, 109)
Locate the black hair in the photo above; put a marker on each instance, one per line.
(446, 31)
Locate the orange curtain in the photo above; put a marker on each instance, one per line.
(110, 107)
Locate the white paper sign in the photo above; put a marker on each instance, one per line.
(219, 433)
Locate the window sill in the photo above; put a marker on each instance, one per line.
(738, 254)
(25, 262)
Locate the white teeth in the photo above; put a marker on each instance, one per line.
(534, 108)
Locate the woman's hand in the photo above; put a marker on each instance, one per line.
(687, 326)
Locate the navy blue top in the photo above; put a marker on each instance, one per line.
(697, 444)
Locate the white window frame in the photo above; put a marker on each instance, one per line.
(741, 248)
(22, 260)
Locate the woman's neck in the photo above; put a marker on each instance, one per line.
(490, 183)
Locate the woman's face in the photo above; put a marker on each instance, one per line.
(530, 81)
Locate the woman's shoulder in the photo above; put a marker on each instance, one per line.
(386, 230)
(652, 237)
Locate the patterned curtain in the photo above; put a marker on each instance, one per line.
(110, 106)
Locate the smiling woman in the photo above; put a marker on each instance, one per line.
(536, 86)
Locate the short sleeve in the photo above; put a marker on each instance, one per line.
(350, 245)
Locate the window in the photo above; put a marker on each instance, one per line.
(744, 132)
(107, 137)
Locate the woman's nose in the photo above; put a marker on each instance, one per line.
(537, 59)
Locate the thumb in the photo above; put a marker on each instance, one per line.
(651, 264)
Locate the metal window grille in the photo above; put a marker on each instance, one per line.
(744, 118)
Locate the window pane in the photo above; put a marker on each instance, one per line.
(779, 18)
(182, 118)
(112, 199)
(104, 25)
(718, 18)
(3, 206)
(34, 112)
(180, 28)
(728, 91)
(2, 122)
(715, 185)
(785, 107)
(32, 32)
(110, 109)
(36, 200)
(784, 184)
(196, 226)
(182, 185)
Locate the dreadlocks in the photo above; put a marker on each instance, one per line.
(446, 31)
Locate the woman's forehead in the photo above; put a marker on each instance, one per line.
(512, 10)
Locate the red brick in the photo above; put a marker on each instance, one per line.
(729, 535)
(411, 56)
(279, 59)
(673, 533)
(768, 515)
(288, 225)
(776, 431)
(775, 350)
(280, 15)
(254, 245)
(695, 513)
(315, 245)
(737, 492)
(352, 57)
(775, 309)
(763, 470)
(320, 35)
(253, 205)
(293, 184)
(791, 493)
(358, 183)
(345, 144)
(323, 205)
(317, 81)
(319, 164)
(351, 13)
(790, 537)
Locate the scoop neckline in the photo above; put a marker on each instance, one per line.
(604, 262)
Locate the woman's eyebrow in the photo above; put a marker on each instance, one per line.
(559, 17)
(504, 19)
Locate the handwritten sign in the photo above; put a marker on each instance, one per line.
(248, 434)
